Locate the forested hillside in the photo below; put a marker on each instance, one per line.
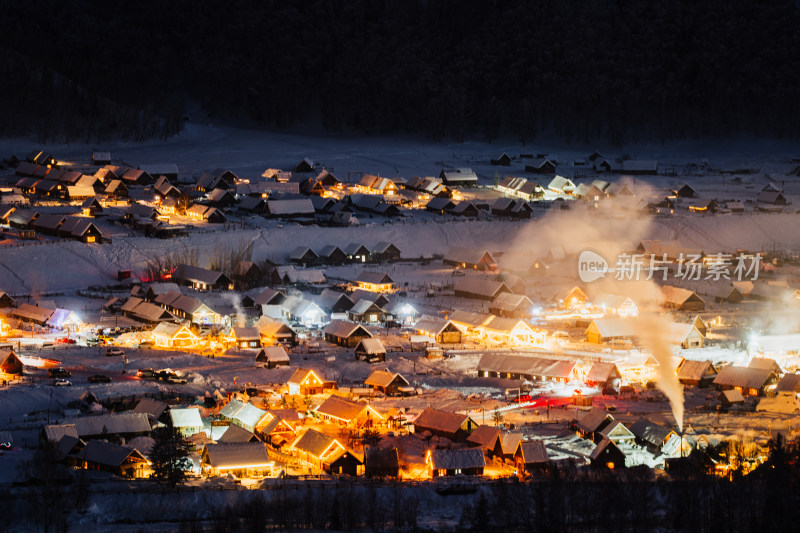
(447, 69)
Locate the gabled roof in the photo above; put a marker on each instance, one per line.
(615, 327)
(151, 407)
(509, 302)
(316, 444)
(111, 424)
(527, 365)
(602, 447)
(376, 278)
(789, 383)
(235, 434)
(301, 375)
(695, 370)
(533, 452)
(246, 334)
(370, 346)
(650, 432)
(440, 420)
(487, 288)
(485, 436)
(738, 376)
(236, 455)
(457, 459)
(375, 457)
(107, 453)
(193, 273)
(602, 372)
(594, 419)
(273, 354)
(344, 329)
(54, 432)
(383, 378)
(432, 324)
(344, 409)
(186, 418)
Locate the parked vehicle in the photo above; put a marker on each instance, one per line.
(66, 340)
(146, 344)
(111, 352)
(146, 373)
(59, 373)
(94, 341)
(59, 382)
(99, 378)
(176, 379)
(522, 398)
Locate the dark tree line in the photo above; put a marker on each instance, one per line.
(583, 70)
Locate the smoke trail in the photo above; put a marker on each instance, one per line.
(654, 332)
(237, 305)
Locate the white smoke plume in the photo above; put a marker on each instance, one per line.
(241, 317)
(610, 233)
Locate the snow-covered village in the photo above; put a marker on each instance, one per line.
(487, 323)
(400, 266)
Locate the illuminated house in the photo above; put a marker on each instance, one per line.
(212, 215)
(747, 381)
(531, 456)
(402, 312)
(201, 278)
(479, 289)
(508, 305)
(456, 462)
(301, 310)
(444, 424)
(439, 329)
(348, 413)
(374, 282)
(376, 185)
(611, 329)
(32, 313)
(187, 307)
(242, 459)
(681, 299)
(370, 350)
(603, 375)
(470, 258)
(243, 414)
(524, 367)
(696, 373)
(615, 304)
(366, 311)
(357, 253)
(573, 298)
(305, 382)
(507, 331)
(246, 337)
(463, 177)
(272, 356)
(387, 382)
(317, 449)
(275, 330)
(385, 252)
(169, 335)
(64, 319)
(10, 363)
(187, 421)
(345, 333)
(109, 457)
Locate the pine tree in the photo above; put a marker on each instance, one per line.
(170, 456)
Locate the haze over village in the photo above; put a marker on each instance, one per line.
(497, 320)
(400, 266)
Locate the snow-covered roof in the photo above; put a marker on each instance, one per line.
(186, 418)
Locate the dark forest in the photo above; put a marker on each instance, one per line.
(446, 69)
